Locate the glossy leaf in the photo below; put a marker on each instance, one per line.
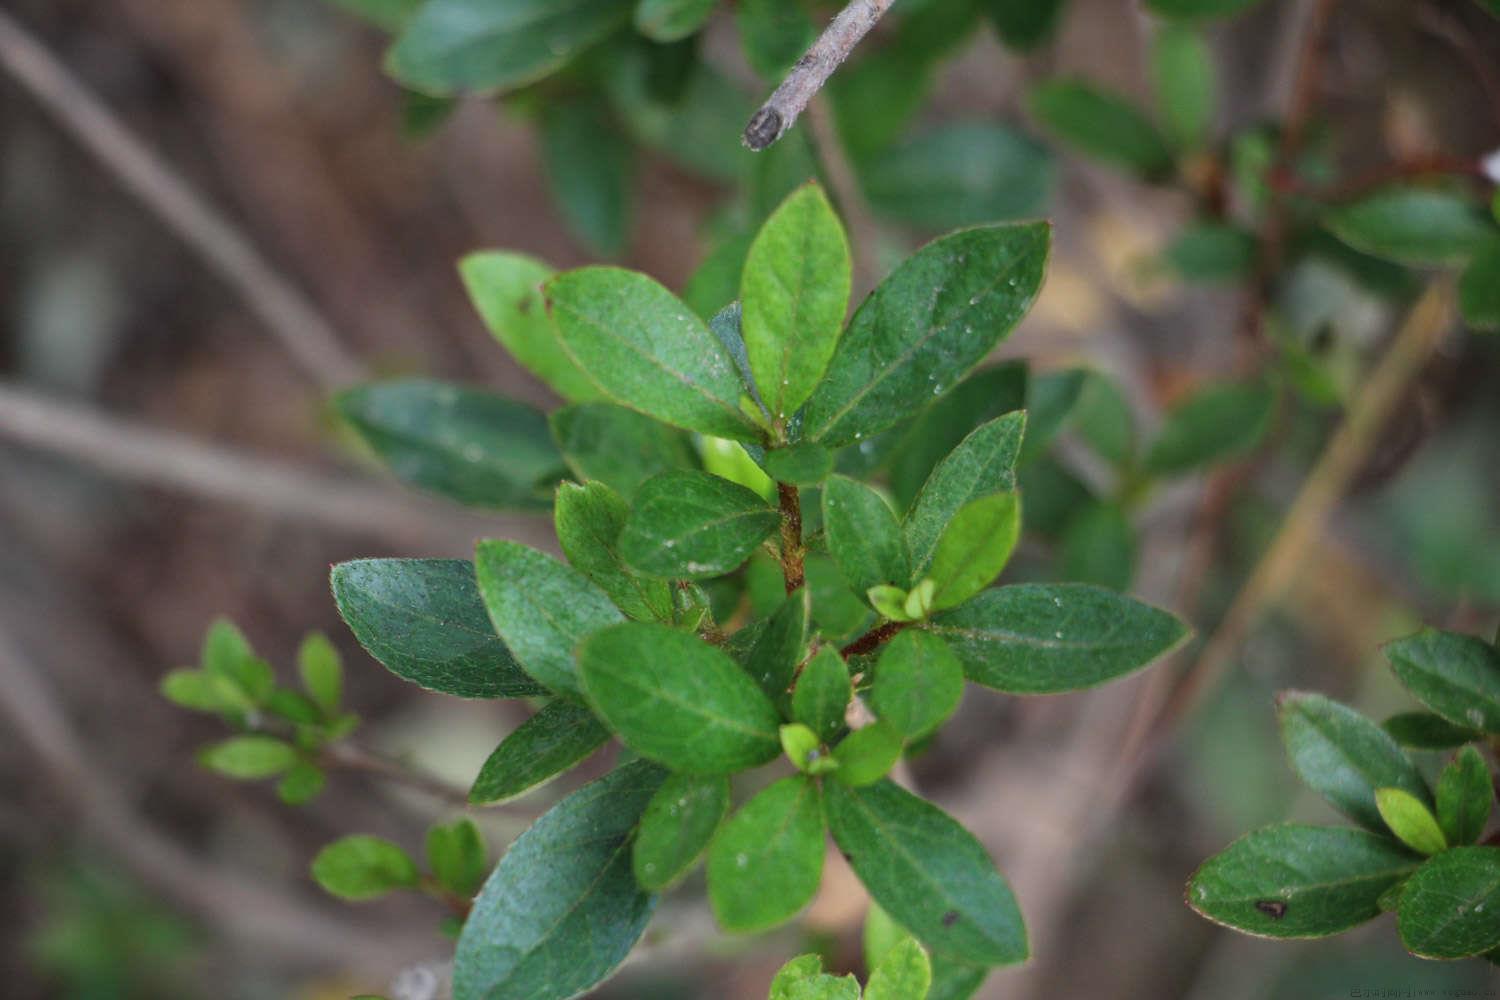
(1216, 423)
(424, 620)
(672, 697)
(692, 526)
(589, 522)
(362, 867)
(671, 20)
(905, 973)
(1457, 676)
(676, 828)
(974, 548)
(863, 535)
(456, 856)
(618, 447)
(767, 860)
(1046, 638)
(562, 909)
(918, 683)
(867, 755)
(542, 608)
(960, 174)
(549, 743)
(822, 694)
(1451, 907)
(1410, 820)
(935, 317)
(1465, 796)
(927, 872)
(506, 289)
(1102, 125)
(1293, 881)
(982, 464)
(1419, 226)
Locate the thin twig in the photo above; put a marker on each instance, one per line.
(351, 757)
(792, 556)
(287, 313)
(787, 102)
(871, 640)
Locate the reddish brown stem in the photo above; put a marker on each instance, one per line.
(872, 639)
(791, 536)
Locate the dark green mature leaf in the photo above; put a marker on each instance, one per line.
(1212, 252)
(837, 612)
(1215, 423)
(589, 164)
(618, 447)
(927, 872)
(1100, 124)
(918, 683)
(1196, 9)
(1343, 756)
(1465, 796)
(1102, 417)
(1045, 638)
(929, 438)
(674, 698)
(960, 174)
(1410, 819)
(773, 658)
(456, 856)
(671, 20)
(542, 608)
(470, 446)
(362, 867)
(936, 316)
(863, 535)
(1025, 24)
(647, 350)
(982, 464)
(867, 755)
(954, 980)
(774, 34)
(249, 757)
(424, 620)
(1457, 676)
(692, 526)
(562, 734)
(506, 289)
(794, 294)
(589, 522)
(766, 862)
(1425, 731)
(1420, 226)
(1293, 881)
(716, 282)
(1182, 68)
(678, 824)
(974, 548)
(562, 909)
(1051, 398)
(1451, 907)
(456, 46)
(1479, 288)
(1098, 546)
(822, 694)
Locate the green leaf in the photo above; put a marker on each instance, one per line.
(693, 526)
(774, 33)
(863, 535)
(772, 660)
(953, 980)
(801, 746)
(549, 743)
(1343, 756)
(473, 447)
(837, 612)
(1293, 881)
(927, 872)
(1098, 547)
(978, 399)
(1102, 125)
(890, 602)
(542, 608)
(1197, 9)
(250, 757)
(1182, 69)
(676, 828)
(1451, 907)
(1479, 288)
(456, 46)
(1102, 417)
(794, 293)
(804, 464)
(671, 20)
(1457, 676)
(867, 755)
(618, 447)
(960, 174)
(506, 289)
(424, 620)
(729, 460)
(590, 169)
(589, 522)
(674, 698)
(984, 463)
(1046, 638)
(360, 867)
(1216, 423)
(1410, 820)
(322, 672)
(1418, 226)
(904, 974)
(456, 856)
(1465, 796)
(1024, 24)
(822, 694)
(1212, 252)
(1051, 398)
(562, 909)
(643, 346)
(793, 973)
(1425, 731)
(227, 654)
(293, 707)
(300, 784)
(767, 861)
(716, 282)
(974, 548)
(918, 683)
(936, 316)
(202, 691)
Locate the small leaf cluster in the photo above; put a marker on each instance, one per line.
(361, 867)
(283, 730)
(1422, 851)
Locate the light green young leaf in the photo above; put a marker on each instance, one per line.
(867, 755)
(1409, 225)
(800, 745)
(506, 289)
(982, 464)
(692, 526)
(227, 654)
(202, 691)
(1410, 820)
(822, 694)
(549, 743)
(322, 672)
(729, 460)
(794, 972)
(918, 604)
(863, 535)
(618, 447)
(589, 520)
(456, 856)
(424, 620)
(674, 698)
(249, 757)
(794, 293)
(918, 683)
(1451, 907)
(890, 602)
(767, 861)
(645, 349)
(678, 825)
(1100, 124)
(301, 783)
(974, 548)
(1215, 423)
(1182, 69)
(935, 317)
(671, 20)
(542, 609)
(1457, 676)
(360, 867)
(1465, 797)
(905, 973)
